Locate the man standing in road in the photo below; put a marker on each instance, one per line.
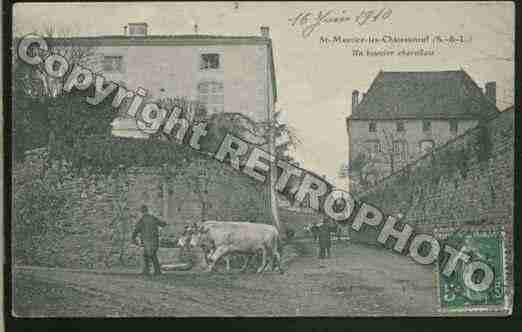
(147, 227)
(315, 231)
(324, 239)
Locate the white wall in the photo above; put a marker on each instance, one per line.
(176, 70)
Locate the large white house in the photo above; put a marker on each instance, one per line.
(223, 73)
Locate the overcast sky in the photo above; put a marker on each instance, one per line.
(315, 81)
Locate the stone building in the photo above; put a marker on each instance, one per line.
(405, 114)
(467, 184)
(224, 73)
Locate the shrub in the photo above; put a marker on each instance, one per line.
(38, 215)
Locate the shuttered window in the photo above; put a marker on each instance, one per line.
(400, 149)
(209, 61)
(113, 63)
(373, 147)
(211, 96)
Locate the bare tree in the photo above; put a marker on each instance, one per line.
(280, 138)
(395, 152)
(35, 81)
(61, 41)
(271, 135)
(360, 171)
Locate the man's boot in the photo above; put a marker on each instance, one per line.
(155, 262)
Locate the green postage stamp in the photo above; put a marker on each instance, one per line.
(478, 281)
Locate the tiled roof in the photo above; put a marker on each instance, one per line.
(151, 39)
(437, 94)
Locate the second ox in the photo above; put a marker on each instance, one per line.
(226, 238)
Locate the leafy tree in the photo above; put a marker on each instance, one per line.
(30, 122)
(38, 214)
(32, 87)
(264, 135)
(361, 172)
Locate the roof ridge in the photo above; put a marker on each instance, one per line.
(439, 93)
(380, 73)
(192, 35)
(468, 77)
(423, 71)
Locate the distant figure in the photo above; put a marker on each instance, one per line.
(324, 239)
(337, 230)
(147, 227)
(315, 231)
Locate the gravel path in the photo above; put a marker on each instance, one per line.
(356, 281)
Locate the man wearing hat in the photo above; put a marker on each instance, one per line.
(324, 239)
(147, 227)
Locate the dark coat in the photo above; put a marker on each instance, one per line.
(314, 229)
(147, 227)
(324, 236)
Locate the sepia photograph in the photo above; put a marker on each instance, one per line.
(261, 159)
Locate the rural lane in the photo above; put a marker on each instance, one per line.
(357, 281)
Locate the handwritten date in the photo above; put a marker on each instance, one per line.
(309, 21)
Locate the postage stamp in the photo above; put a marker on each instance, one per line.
(477, 286)
(205, 159)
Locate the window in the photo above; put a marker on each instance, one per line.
(426, 146)
(373, 147)
(426, 125)
(372, 128)
(137, 29)
(113, 63)
(210, 96)
(454, 126)
(400, 149)
(209, 61)
(400, 126)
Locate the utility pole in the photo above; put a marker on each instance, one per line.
(271, 147)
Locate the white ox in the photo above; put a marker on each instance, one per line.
(239, 237)
(184, 242)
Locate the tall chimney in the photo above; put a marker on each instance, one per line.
(138, 29)
(265, 32)
(491, 91)
(355, 99)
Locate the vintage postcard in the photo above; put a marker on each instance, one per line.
(262, 159)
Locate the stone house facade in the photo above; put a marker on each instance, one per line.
(474, 190)
(403, 115)
(224, 73)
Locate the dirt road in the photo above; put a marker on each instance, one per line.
(357, 280)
